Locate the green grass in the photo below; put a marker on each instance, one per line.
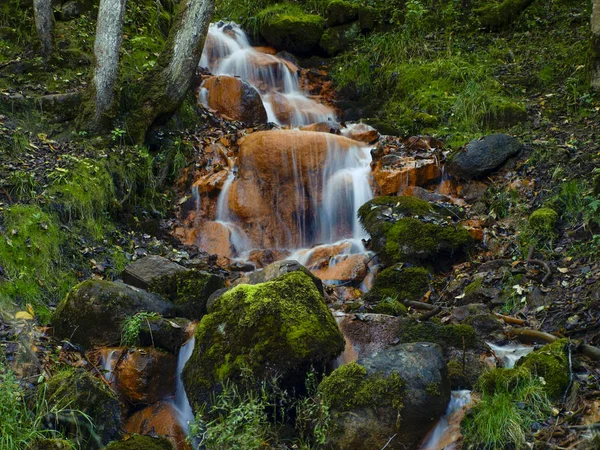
(130, 330)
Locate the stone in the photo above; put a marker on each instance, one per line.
(399, 283)
(235, 99)
(137, 442)
(482, 156)
(369, 334)
(339, 38)
(361, 132)
(93, 311)
(348, 268)
(296, 33)
(142, 272)
(159, 419)
(367, 398)
(407, 171)
(78, 390)
(166, 334)
(281, 327)
(262, 258)
(543, 221)
(145, 375)
(340, 12)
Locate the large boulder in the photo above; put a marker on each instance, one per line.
(397, 392)
(76, 390)
(161, 419)
(398, 282)
(163, 333)
(277, 269)
(482, 156)
(340, 12)
(292, 31)
(187, 289)
(278, 328)
(93, 311)
(137, 442)
(407, 229)
(235, 99)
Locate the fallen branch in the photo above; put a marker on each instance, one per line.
(539, 262)
(510, 320)
(590, 351)
(430, 314)
(527, 335)
(419, 305)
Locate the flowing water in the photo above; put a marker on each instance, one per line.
(447, 430)
(510, 354)
(181, 403)
(108, 359)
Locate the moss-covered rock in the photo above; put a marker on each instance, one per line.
(93, 311)
(137, 442)
(168, 334)
(367, 398)
(399, 283)
(290, 30)
(50, 444)
(340, 12)
(444, 335)
(281, 327)
(543, 221)
(499, 15)
(339, 38)
(552, 364)
(77, 394)
(407, 229)
(390, 307)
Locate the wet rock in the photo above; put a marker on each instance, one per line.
(369, 333)
(79, 391)
(406, 229)
(482, 156)
(262, 258)
(286, 107)
(298, 33)
(361, 132)
(159, 419)
(347, 268)
(235, 99)
(394, 173)
(339, 38)
(424, 194)
(398, 282)
(92, 312)
(141, 443)
(323, 127)
(145, 375)
(167, 334)
(340, 12)
(367, 398)
(214, 238)
(281, 327)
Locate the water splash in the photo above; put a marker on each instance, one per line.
(108, 360)
(510, 354)
(181, 403)
(447, 430)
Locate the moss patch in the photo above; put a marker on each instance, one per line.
(350, 387)
(278, 327)
(399, 283)
(543, 222)
(137, 442)
(551, 363)
(444, 335)
(390, 307)
(287, 27)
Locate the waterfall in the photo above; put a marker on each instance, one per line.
(181, 403)
(444, 434)
(108, 360)
(228, 52)
(510, 354)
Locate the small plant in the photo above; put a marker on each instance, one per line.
(117, 135)
(313, 418)
(130, 330)
(23, 185)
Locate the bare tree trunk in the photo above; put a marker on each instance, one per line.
(165, 87)
(595, 46)
(44, 21)
(109, 36)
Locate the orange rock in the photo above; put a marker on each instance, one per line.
(361, 132)
(350, 268)
(212, 182)
(145, 375)
(266, 50)
(262, 258)
(214, 239)
(161, 419)
(414, 172)
(474, 227)
(323, 127)
(286, 106)
(235, 99)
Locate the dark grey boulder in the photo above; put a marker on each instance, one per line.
(482, 156)
(144, 271)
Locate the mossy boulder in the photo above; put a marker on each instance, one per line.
(390, 307)
(50, 444)
(293, 31)
(543, 222)
(167, 334)
(482, 156)
(137, 442)
(399, 283)
(445, 335)
(78, 394)
(339, 38)
(340, 12)
(407, 229)
(366, 398)
(93, 311)
(552, 364)
(281, 327)
(498, 15)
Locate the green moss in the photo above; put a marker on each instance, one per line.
(473, 287)
(350, 387)
(390, 307)
(498, 15)
(433, 389)
(278, 327)
(399, 283)
(137, 442)
(51, 444)
(551, 363)
(543, 221)
(444, 335)
(340, 38)
(339, 12)
(403, 206)
(287, 27)
(76, 391)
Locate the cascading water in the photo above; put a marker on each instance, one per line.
(442, 436)
(181, 403)
(228, 52)
(108, 361)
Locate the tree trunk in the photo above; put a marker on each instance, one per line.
(163, 90)
(595, 46)
(44, 21)
(109, 36)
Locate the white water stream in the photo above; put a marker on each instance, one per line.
(181, 403)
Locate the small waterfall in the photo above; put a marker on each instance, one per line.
(228, 52)
(108, 360)
(444, 435)
(181, 403)
(510, 354)
(238, 239)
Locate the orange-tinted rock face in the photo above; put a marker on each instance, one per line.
(158, 419)
(361, 132)
(235, 99)
(145, 375)
(278, 184)
(213, 237)
(413, 172)
(262, 258)
(289, 108)
(348, 268)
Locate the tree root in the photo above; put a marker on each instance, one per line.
(527, 335)
(539, 262)
(510, 320)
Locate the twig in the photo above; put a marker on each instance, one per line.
(570, 373)
(539, 262)
(419, 305)
(388, 442)
(510, 320)
(590, 351)
(428, 315)
(528, 335)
